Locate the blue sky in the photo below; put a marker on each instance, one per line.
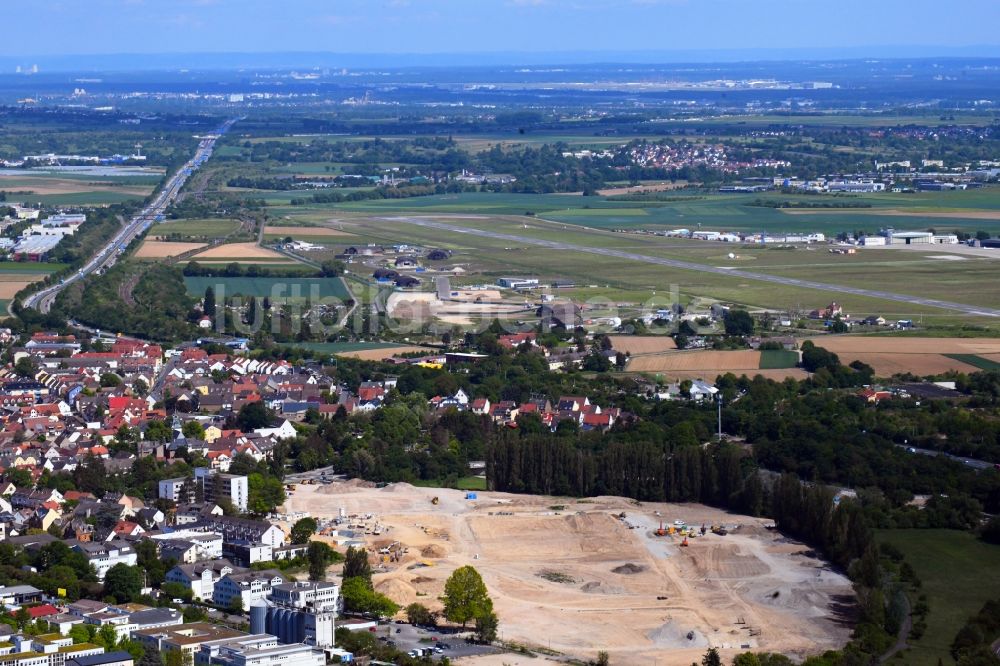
(38, 27)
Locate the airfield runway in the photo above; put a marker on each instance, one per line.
(691, 266)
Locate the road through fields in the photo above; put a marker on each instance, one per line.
(691, 266)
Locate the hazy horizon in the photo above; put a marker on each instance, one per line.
(706, 30)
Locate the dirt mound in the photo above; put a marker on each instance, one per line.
(627, 569)
(419, 580)
(595, 587)
(344, 487)
(398, 488)
(433, 550)
(399, 591)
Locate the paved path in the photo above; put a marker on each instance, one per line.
(691, 266)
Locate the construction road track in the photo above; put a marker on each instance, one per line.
(691, 266)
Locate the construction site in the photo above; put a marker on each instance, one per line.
(650, 583)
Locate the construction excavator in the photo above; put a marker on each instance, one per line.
(685, 542)
(660, 532)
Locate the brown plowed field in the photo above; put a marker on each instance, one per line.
(642, 344)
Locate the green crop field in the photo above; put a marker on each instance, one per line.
(976, 361)
(208, 228)
(93, 198)
(275, 288)
(32, 267)
(959, 574)
(778, 359)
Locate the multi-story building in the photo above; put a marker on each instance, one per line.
(186, 638)
(242, 530)
(298, 612)
(201, 578)
(175, 490)
(217, 487)
(103, 556)
(246, 587)
(259, 650)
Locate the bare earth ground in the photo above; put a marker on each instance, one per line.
(381, 354)
(897, 345)
(886, 365)
(697, 360)
(657, 187)
(610, 577)
(10, 287)
(424, 306)
(238, 251)
(159, 249)
(634, 345)
(921, 356)
(304, 231)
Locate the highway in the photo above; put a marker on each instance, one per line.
(143, 220)
(703, 268)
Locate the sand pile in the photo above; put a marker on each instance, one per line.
(628, 569)
(399, 591)
(345, 487)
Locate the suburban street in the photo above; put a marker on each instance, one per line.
(142, 221)
(691, 266)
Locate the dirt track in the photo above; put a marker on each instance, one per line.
(609, 577)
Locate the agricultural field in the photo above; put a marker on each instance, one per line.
(275, 288)
(981, 362)
(56, 188)
(151, 249)
(207, 229)
(242, 253)
(967, 211)
(637, 345)
(958, 573)
(919, 356)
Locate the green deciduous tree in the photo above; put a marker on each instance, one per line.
(465, 596)
(303, 529)
(123, 582)
(356, 565)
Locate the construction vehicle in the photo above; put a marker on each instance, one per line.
(703, 529)
(661, 532)
(435, 501)
(685, 542)
(718, 529)
(671, 531)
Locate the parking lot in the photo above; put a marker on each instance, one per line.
(408, 637)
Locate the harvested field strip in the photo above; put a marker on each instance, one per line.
(709, 361)
(647, 344)
(10, 287)
(158, 249)
(778, 359)
(907, 345)
(976, 361)
(239, 252)
(888, 364)
(382, 354)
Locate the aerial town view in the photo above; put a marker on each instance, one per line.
(499, 333)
